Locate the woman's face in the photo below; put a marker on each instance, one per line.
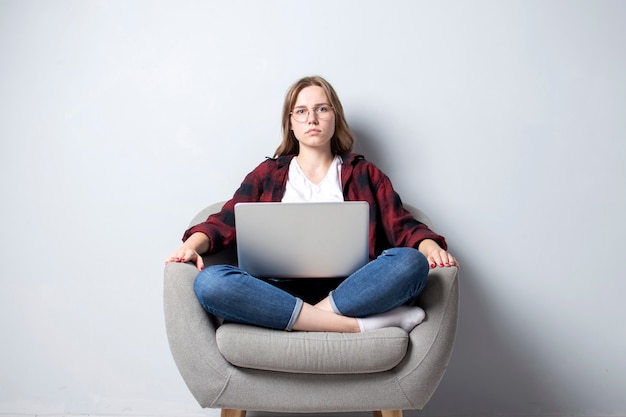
(316, 127)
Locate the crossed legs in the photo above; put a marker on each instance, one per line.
(383, 285)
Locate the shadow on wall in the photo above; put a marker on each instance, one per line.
(490, 371)
(367, 144)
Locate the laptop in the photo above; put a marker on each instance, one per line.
(302, 240)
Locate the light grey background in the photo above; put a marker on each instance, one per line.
(503, 120)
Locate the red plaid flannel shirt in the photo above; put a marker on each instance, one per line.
(391, 225)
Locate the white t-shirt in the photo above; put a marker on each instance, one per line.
(301, 190)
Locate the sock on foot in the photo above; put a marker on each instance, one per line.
(405, 317)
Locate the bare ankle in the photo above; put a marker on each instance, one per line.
(325, 305)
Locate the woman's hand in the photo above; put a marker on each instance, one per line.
(184, 254)
(435, 255)
(190, 251)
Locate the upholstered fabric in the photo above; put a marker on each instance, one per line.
(217, 383)
(312, 352)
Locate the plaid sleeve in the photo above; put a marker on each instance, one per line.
(401, 227)
(391, 225)
(220, 227)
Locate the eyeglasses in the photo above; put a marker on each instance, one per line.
(322, 112)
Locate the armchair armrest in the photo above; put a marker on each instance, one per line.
(433, 340)
(191, 334)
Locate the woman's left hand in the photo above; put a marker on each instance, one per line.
(435, 255)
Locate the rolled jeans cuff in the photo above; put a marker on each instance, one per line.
(294, 315)
(332, 303)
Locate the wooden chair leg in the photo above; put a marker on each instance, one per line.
(226, 412)
(388, 413)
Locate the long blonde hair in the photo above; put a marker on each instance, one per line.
(343, 139)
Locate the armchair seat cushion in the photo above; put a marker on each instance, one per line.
(312, 352)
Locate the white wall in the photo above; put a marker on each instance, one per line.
(502, 120)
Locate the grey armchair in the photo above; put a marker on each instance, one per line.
(237, 367)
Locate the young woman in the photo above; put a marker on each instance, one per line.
(314, 163)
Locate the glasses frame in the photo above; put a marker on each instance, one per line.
(320, 116)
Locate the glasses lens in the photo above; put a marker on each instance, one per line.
(323, 112)
(300, 115)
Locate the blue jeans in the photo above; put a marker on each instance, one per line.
(396, 277)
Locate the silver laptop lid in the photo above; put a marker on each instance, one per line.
(302, 240)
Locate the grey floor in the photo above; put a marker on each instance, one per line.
(216, 413)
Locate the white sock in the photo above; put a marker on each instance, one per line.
(405, 317)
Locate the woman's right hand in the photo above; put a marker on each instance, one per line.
(190, 250)
(184, 254)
